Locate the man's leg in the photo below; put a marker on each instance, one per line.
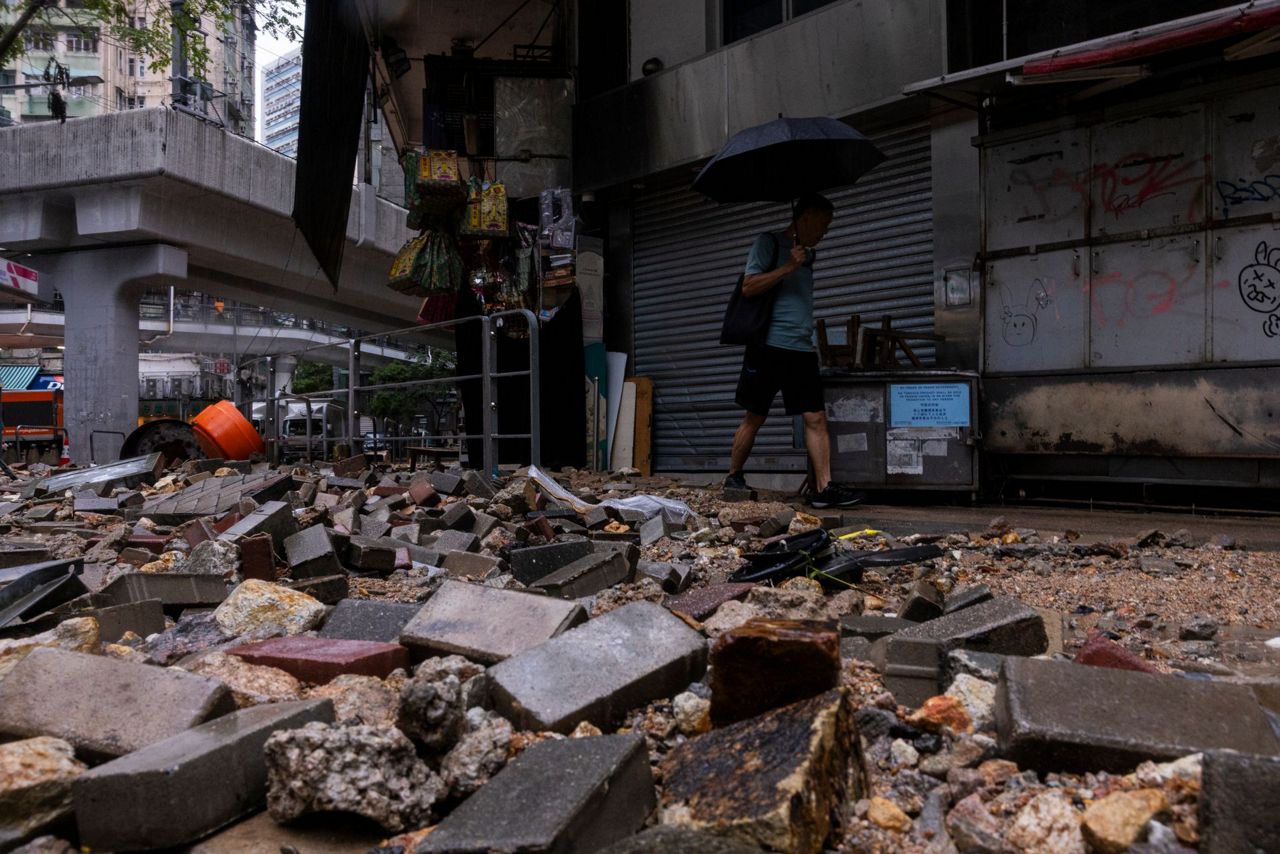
(743, 440)
(818, 443)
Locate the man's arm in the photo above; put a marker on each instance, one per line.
(761, 283)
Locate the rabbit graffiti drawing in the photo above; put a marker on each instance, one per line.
(1020, 319)
(1260, 287)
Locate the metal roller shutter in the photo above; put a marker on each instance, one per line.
(877, 259)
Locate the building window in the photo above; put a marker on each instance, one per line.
(82, 42)
(743, 18)
(8, 78)
(133, 67)
(38, 40)
(119, 98)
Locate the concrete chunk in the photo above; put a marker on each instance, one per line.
(871, 627)
(586, 576)
(600, 670)
(765, 664)
(534, 562)
(486, 624)
(576, 795)
(1239, 803)
(367, 620)
(477, 484)
(174, 791)
(1061, 716)
(785, 796)
(311, 554)
(102, 706)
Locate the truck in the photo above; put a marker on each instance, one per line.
(327, 430)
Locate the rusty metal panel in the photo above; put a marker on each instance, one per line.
(1246, 294)
(1149, 172)
(1246, 156)
(1036, 313)
(1147, 303)
(1037, 190)
(1182, 413)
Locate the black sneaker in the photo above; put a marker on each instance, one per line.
(737, 480)
(836, 496)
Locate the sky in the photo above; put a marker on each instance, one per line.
(269, 49)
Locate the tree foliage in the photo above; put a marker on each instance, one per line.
(402, 404)
(311, 377)
(145, 27)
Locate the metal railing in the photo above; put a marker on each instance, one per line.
(273, 403)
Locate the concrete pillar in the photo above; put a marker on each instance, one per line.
(101, 288)
(285, 366)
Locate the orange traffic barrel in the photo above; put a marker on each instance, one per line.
(226, 434)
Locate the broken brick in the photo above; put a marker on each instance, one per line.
(319, 660)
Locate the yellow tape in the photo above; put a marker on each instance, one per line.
(866, 532)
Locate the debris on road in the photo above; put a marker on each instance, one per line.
(562, 662)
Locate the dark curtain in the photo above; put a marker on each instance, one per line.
(335, 66)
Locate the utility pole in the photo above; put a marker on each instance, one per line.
(178, 57)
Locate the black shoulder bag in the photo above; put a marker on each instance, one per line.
(746, 320)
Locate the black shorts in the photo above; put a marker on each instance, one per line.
(768, 370)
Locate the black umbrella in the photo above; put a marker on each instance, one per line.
(786, 158)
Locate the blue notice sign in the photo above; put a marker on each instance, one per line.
(929, 405)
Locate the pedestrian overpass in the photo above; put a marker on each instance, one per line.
(108, 206)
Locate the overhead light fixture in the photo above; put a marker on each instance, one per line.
(394, 56)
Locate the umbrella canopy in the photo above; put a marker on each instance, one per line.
(786, 158)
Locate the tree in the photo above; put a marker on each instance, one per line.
(310, 377)
(402, 404)
(145, 27)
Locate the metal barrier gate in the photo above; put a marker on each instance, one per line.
(490, 326)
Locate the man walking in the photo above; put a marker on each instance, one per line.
(787, 361)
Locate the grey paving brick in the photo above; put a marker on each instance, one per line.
(371, 555)
(534, 562)
(273, 517)
(311, 553)
(471, 565)
(177, 790)
(486, 624)
(585, 576)
(913, 659)
(104, 707)
(599, 670)
(173, 589)
(456, 541)
(575, 795)
(1239, 803)
(142, 618)
(367, 620)
(1061, 716)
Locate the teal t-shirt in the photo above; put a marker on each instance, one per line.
(792, 325)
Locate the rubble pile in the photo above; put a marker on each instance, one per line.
(352, 657)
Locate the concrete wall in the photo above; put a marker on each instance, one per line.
(846, 59)
(674, 31)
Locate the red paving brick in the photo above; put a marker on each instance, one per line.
(319, 660)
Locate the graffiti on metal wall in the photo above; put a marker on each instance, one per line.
(1259, 284)
(1021, 319)
(1244, 191)
(1117, 298)
(1120, 189)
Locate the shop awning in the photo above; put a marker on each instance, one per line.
(17, 377)
(1251, 29)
